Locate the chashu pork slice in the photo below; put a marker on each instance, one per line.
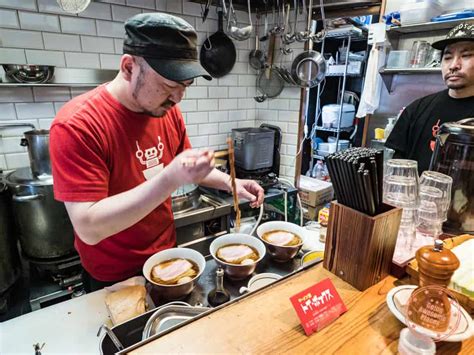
(280, 238)
(171, 271)
(236, 253)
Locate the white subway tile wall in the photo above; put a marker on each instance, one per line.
(39, 32)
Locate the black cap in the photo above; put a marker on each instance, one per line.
(462, 32)
(167, 43)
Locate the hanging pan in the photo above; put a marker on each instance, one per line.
(218, 52)
(308, 69)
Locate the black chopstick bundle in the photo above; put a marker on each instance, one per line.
(357, 177)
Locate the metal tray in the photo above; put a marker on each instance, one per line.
(168, 317)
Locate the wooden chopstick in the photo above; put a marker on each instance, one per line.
(232, 180)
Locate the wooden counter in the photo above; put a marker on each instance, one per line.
(266, 322)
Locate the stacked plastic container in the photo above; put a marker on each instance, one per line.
(420, 11)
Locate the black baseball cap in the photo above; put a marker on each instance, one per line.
(462, 32)
(167, 43)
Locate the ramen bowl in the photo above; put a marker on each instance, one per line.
(281, 253)
(176, 291)
(237, 271)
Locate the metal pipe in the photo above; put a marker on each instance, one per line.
(341, 107)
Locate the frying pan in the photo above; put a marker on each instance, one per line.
(218, 52)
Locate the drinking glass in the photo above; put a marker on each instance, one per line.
(402, 167)
(400, 191)
(441, 182)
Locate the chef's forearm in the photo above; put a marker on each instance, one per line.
(95, 221)
(218, 180)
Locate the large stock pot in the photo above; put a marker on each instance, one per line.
(9, 259)
(43, 225)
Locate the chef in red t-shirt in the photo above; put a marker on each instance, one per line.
(120, 150)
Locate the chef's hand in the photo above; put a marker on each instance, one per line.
(250, 190)
(191, 166)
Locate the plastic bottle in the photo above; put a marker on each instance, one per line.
(318, 170)
(389, 127)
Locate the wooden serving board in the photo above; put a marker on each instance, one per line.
(449, 243)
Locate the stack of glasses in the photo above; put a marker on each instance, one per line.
(435, 197)
(425, 202)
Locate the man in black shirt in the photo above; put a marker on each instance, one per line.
(413, 136)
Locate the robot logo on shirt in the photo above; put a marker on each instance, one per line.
(151, 159)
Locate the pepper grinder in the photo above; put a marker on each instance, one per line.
(219, 295)
(436, 265)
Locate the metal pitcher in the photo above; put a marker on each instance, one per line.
(37, 142)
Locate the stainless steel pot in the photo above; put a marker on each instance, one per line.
(37, 142)
(45, 230)
(9, 259)
(185, 198)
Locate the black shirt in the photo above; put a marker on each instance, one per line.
(413, 134)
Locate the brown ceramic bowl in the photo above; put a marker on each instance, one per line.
(281, 253)
(174, 292)
(233, 271)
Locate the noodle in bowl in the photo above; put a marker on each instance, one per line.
(242, 270)
(282, 252)
(177, 290)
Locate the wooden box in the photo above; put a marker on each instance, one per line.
(359, 248)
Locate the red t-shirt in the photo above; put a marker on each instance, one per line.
(99, 149)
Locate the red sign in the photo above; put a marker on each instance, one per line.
(318, 306)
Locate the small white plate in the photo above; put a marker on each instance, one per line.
(465, 328)
(259, 281)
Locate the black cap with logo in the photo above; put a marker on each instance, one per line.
(462, 32)
(167, 43)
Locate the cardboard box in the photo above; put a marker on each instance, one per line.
(311, 213)
(315, 192)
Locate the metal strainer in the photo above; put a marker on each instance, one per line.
(73, 6)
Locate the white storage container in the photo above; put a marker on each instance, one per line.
(330, 115)
(420, 11)
(398, 59)
(456, 5)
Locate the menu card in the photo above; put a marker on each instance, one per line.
(318, 306)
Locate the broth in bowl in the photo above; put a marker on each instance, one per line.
(174, 271)
(282, 238)
(237, 254)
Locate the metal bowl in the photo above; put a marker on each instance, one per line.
(308, 69)
(233, 271)
(174, 292)
(281, 253)
(29, 73)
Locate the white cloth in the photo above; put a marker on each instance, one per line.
(370, 98)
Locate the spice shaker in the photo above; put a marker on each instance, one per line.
(432, 308)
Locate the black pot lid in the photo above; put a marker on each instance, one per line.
(23, 176)
(465, 126)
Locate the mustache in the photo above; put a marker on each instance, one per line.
(168, 104)
(449, 75)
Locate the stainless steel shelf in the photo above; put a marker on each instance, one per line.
(355, 33)
(408, 71)
(428, 26)
(331, 129)
(67, 77)
(341, 75)
(388, 73)
(319, 157)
